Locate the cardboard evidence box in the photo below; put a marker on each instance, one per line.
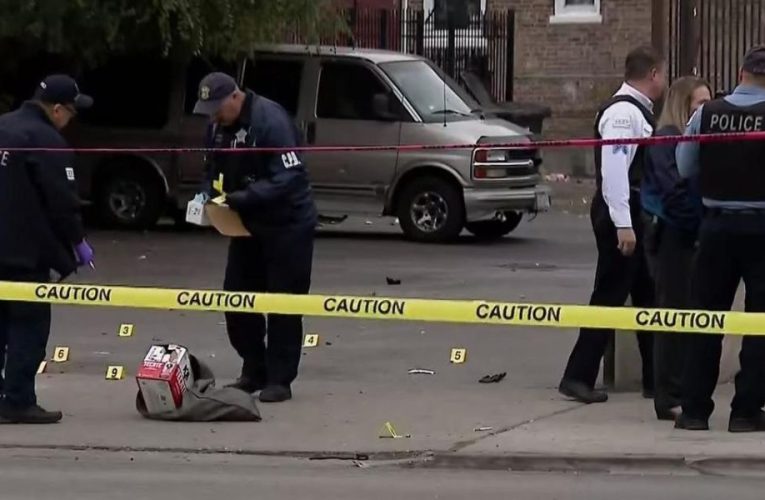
(164, 377)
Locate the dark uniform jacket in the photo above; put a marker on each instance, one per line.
(39, 208)
(277, 187)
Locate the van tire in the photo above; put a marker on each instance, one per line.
(425, 199)
(129, 196)
(495, 229)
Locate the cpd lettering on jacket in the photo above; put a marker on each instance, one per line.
(5, 157)
(209, 300)
(519, 312)
(681, 319)
(382, 307)
(73, 293)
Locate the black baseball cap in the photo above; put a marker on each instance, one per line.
(62, 89)
(754, 60)
(213, 90)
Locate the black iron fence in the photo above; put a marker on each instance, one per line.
(710, 37)
(481, 43)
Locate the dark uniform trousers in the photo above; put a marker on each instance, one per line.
(24, 332)
(731, 248)
(616, 278)
(277, 261)
(671, 253)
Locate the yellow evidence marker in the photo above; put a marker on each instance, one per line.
(41, 368)
(115, 373)
(458, 355)
(61, 354)
(218, 184)
(311, 340)
(388, 431)
(126, 330)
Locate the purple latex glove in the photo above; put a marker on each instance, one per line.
(84, 254)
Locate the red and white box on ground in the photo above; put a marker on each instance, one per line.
(164, 377)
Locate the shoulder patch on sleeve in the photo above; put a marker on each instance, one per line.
(621, 122)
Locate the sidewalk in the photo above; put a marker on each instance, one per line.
(532, 429)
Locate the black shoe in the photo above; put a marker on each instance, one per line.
(747, 424)
(275, 394)
(580, 392)
(668, 414)
(691, 424)
(247, 385)
(29, 415)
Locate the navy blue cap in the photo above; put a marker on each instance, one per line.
(62, 89)
(754, 60)
(213, 90)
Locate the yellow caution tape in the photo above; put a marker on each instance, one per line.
(431, 310)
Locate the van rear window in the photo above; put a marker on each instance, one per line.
(131, 91)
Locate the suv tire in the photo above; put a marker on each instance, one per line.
(431, 210)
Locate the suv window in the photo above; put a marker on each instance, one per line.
(346, 92)
(276, 79)
(123, 101)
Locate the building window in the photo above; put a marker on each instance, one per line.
(576, 11)
(464, 14)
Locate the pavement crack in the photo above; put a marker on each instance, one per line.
(461, 445)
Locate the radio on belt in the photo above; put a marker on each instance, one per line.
(164, 377)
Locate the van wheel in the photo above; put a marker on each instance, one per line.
(495, 229)
(431, 210)
(129, 198)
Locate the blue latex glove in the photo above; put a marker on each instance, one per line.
(202, 198)
(84, 253)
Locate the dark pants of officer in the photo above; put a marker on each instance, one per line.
(278, 262)
(24, 332)
(731, 248)
(617, 277)
(671, 254)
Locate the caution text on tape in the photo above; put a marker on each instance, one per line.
(431, 310)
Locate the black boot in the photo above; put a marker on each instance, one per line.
(275, 394)
(580, 392)
(747, 424)
(691, 424)
(10, 414)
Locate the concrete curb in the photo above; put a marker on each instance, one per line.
(744, 465)
(609, 464)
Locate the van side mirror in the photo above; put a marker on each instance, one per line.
(382, 106)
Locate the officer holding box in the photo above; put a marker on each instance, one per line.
(271, 193)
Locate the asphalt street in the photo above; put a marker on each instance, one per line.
(465, 436)
(97, 476)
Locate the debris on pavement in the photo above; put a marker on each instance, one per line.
(557, 177)
(327, 343)
(483, 429)
(420, 371)
(142, 257)
(392, 281)
(493, 379)
(368, 223)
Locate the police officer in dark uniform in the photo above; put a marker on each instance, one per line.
(731, 179)
(40, 231)
(622, 269)
(272, 194)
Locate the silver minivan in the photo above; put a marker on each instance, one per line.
(354, 97)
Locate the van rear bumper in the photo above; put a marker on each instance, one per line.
(483, 204)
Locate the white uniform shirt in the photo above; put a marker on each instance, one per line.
(621, 120)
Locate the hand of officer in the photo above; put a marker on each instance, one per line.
(237, 199)
(84, 254)
(627, 241)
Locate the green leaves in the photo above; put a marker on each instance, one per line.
(92, 29)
